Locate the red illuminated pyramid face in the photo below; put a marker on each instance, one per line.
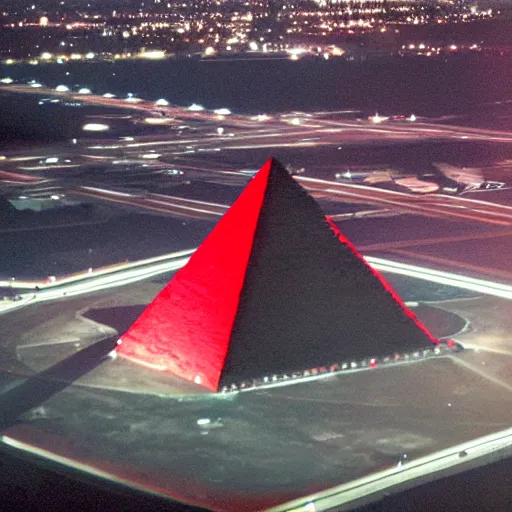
(274, 288)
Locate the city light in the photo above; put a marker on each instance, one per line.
(376, 119)
(195, 108)
(84, 90)
(62, 88)
(95, 127)
(261, 117)
(251, 26)
(161, 103)
(222, 111)
(153, 54)
(158, 120)
(296, 51)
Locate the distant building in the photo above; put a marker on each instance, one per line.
(35, 204)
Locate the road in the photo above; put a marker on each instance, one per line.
(295, 124)
(92, 280)
(158, 202)
(31, 292)
(195, 150)
(99, 169)
(432, 205)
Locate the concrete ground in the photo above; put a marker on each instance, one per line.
(266, 446)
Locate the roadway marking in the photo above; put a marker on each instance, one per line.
(87, 282)
(141, 202)
(183, 207)
(193, 201)
(451, 263)
(431, 241)
(425, 204)
(429, 210)
(437, 276)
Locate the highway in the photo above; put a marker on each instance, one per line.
(93, 280)
(207, 138)
(291, 125)
(431, 205)
(438, 206)
(252, 132)
(158, 202)
(98, 169)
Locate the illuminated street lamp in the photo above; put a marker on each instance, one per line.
(222, 111)
(95, 127)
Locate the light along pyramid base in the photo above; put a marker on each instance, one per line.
(192, 391)
(341, 369)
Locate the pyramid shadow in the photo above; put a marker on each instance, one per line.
(120, 317)
(33, 391)
(440, 322)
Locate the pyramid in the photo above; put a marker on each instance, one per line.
(274, 288)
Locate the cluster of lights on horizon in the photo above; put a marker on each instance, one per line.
(227, 26)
